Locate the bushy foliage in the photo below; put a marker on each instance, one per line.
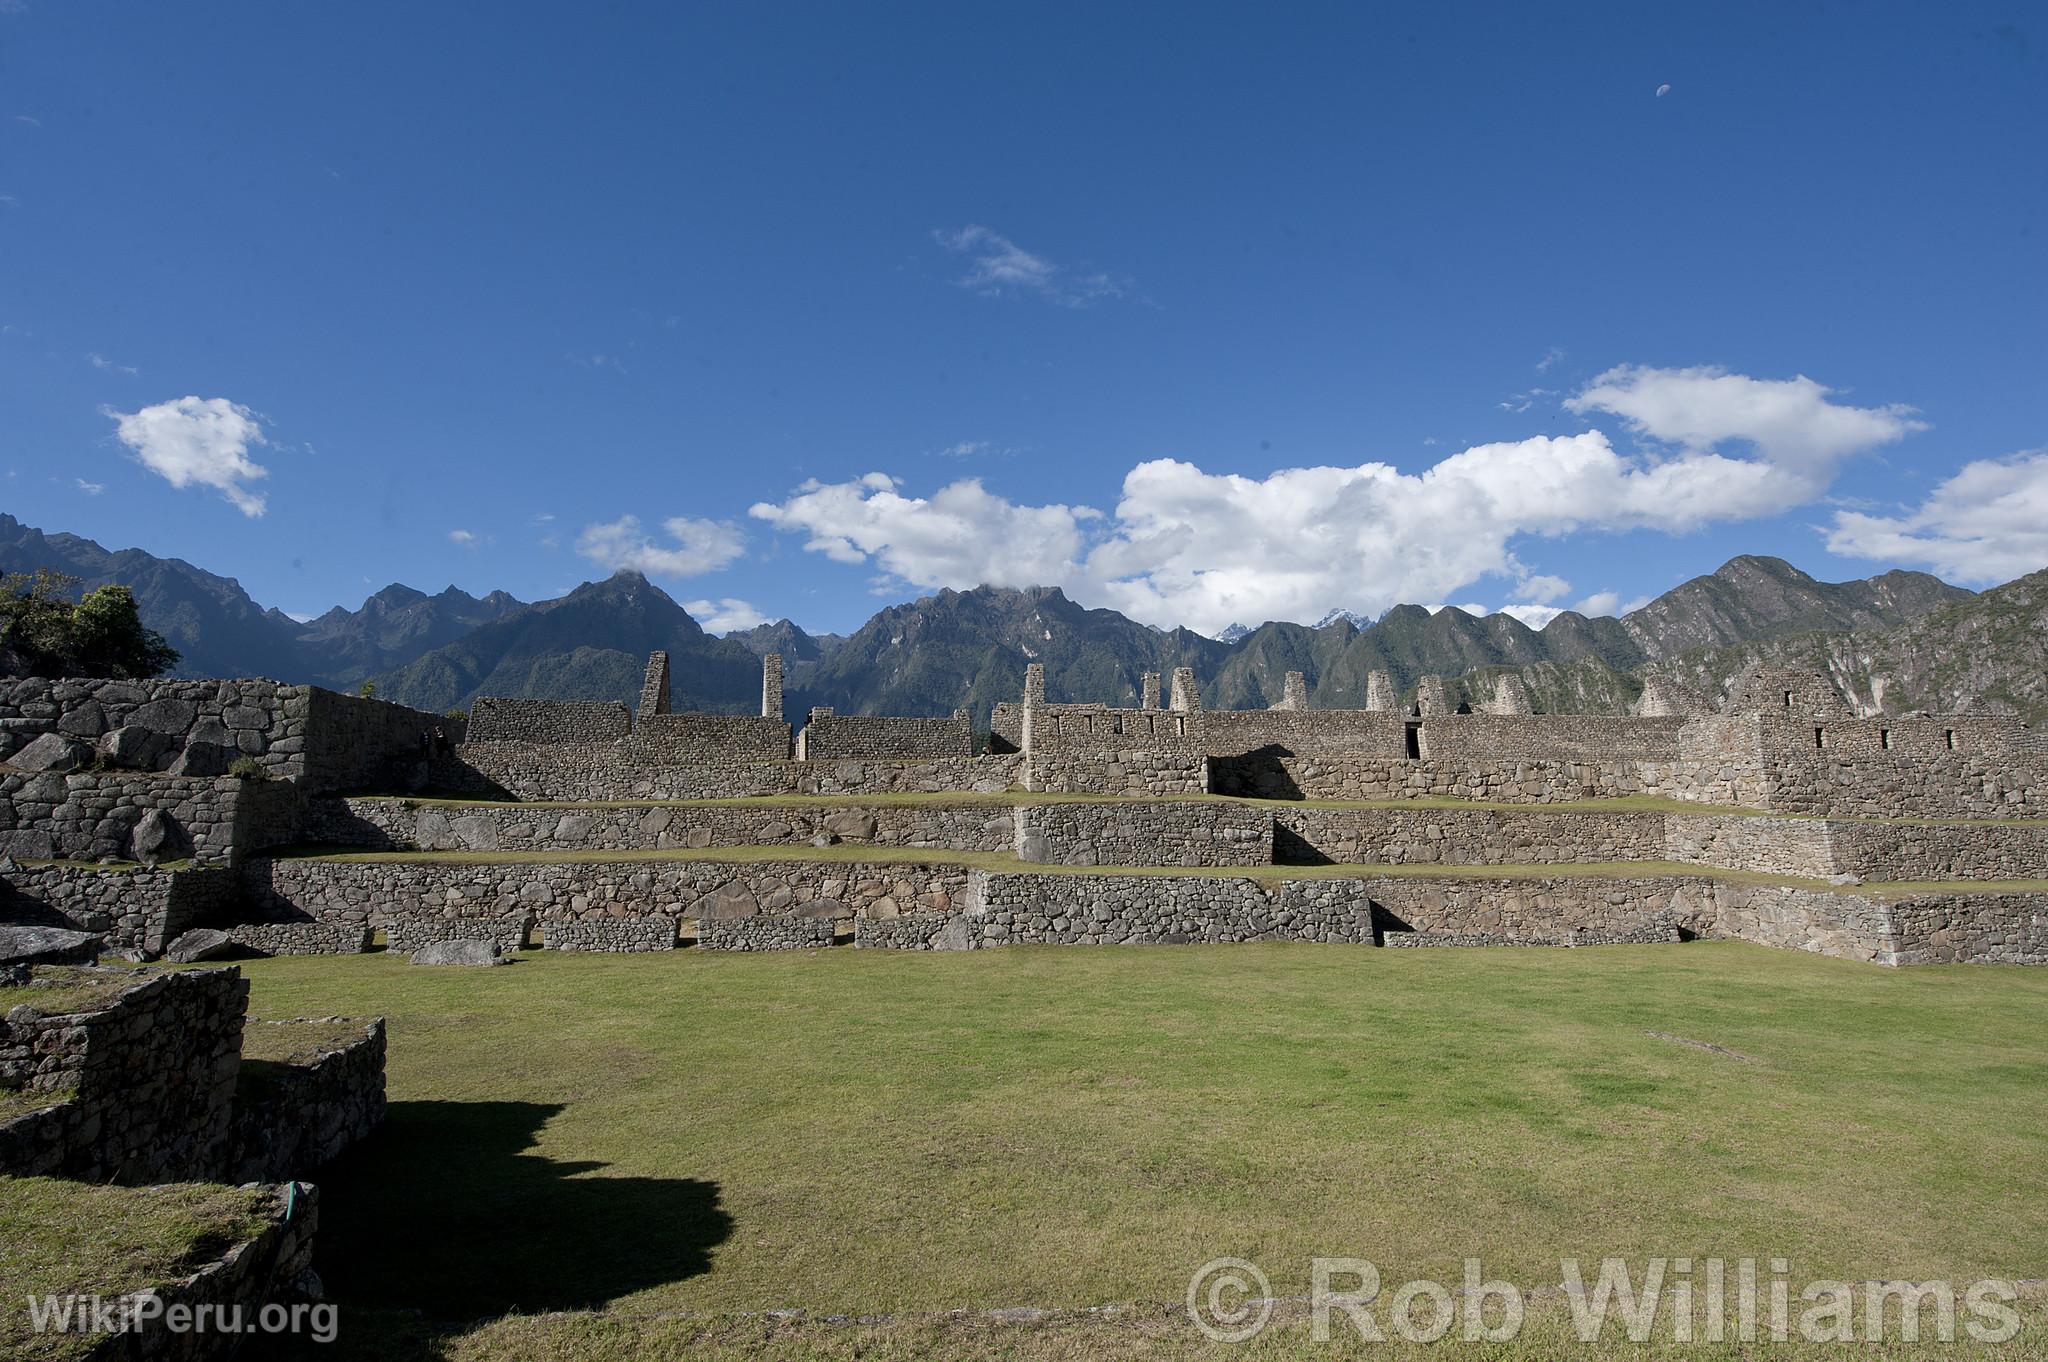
(43, 632)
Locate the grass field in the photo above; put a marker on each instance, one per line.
(678, 1138)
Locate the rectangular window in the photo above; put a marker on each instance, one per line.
(1788, 699)
(1884, 738)
(1820, 737)
(1949, 735)
(1414, 732)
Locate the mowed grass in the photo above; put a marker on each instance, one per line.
(860, 1132)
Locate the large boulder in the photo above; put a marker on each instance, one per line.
(201, 943)
(158, 838)
(30, 844)
(459, 953)
(133, 748)
(204, 759)
(51, 752)
(172, 717)
(851, 825)
(25, 945)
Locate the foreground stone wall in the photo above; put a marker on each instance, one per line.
(131, 909)
(1006, 909)
(151, 1076)
(292, 1117)
(1154, 832)
(385, 824)
(1136, 772)
(2007, 929)
(612, 934)
(548, 721)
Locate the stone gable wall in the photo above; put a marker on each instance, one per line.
(548, 721)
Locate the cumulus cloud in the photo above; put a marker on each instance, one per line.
(725, 615)
(1988, 523)
(91, 489)
(1187, 546)
(202, 441)
(998, 265)
(696, 546)
(1788, 422)
(462, 537)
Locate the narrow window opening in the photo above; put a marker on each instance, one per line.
(1788, 699)
(1414, 732)
(1820, 737)
(1884, 738)
(1949, 735)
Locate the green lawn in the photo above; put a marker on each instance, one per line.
(860, 1132)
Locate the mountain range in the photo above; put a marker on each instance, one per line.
(1897, 641)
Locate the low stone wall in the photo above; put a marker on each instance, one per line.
(1818, 848)
(612, 934)
(1304, 732)
(390, 823)
(1890, 785)
(418, 901)
(1496, 739)
(1539, 909)
(922, 930)
(2005, 929)
(493, 720)
(299, 938)
(834, 737)
(1008, 909)
(1138, 833)
(1776, 846)
(131, 909)
(1533, 782)
(151, 1075)
(294, 1115)
(708, 738)
(1841, 925)
(1449, 836)
(602, 773)
(765, 933)
(1130, 771)
(1641, 936)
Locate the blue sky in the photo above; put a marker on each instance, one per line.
(1204, 312)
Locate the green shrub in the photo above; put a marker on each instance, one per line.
(248, 768)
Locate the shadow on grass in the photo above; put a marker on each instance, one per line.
(442, 1211)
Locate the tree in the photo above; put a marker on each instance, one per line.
(44, 633)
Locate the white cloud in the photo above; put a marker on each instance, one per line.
(1550, 357)
(725, 615)
(1535, 616)
(30, 119)
(1663, 90)
(1988, 523)
(998, 265)
(1186, 546)
(699, 546)
(961, 535)
(462, 537)
(967, 449)
(107, 365)
(1789, 422)
(198, 440)
(1600, 603)
(91, 489)
(1522, 401)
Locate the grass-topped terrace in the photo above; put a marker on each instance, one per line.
(1008, 862)
(665, 1146)
(59, 1237)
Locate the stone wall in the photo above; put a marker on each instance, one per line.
(611, 934)
(1135, 772)
(1775, 846)
(1068, 909)
(385, 824)
(199, 728)
(293, 1115)
(1539, 909)
(831, 737)
(1842, 925)
(132, 909)
(151, 1075)
(548, 721)
(1150, 832)
(1304, 733)
(677, 739)
(1363, 778)
(130, 816)
(765, 933)
(1451, 836)
(604, 772)
(2006, 929)
(1490, 739)
(430, 900)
